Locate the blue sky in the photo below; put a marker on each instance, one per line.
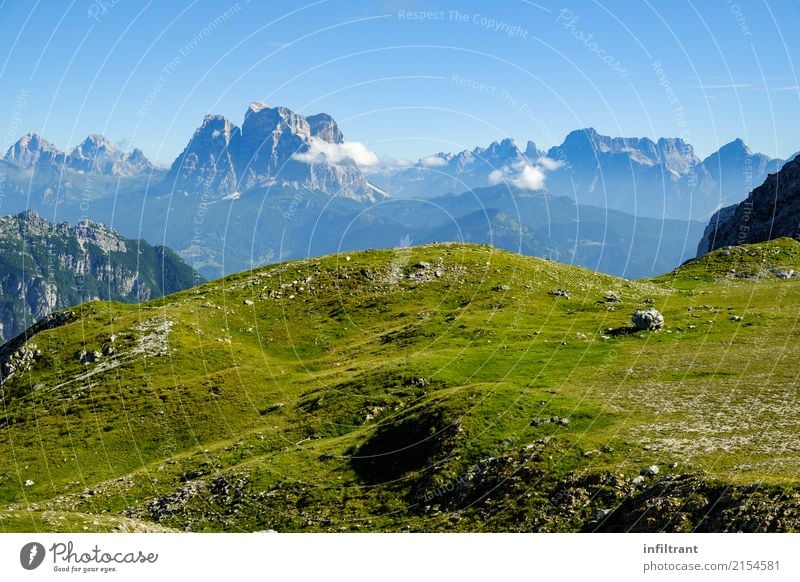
(407, 78)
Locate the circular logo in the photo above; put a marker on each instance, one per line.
(31, 555)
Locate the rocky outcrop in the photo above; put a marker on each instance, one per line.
(770, 211)
(46, 267)
(275, 147)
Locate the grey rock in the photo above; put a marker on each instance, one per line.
(650, 319)
(651, 471)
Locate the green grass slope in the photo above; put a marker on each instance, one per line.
(437, 388)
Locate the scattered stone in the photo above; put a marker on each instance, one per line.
(247, 302)
(638, 480)
(736, 318)
(29, 483)
(87, 358)
(502, 288)
(650, 319)
(651, 471)
(438, 273)
(612, 297)
(422, 265)
(601, 514)
(560, 293)
(649, 301)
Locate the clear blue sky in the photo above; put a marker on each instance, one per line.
(145, 73)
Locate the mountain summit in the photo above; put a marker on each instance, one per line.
(275, 147)
(94, 155)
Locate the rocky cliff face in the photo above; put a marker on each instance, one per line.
(274, 147)
(46, 266)
(31, 150)
(770, 211)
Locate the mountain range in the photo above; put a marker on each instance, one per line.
(94, 155)
(284, 185)
(655, 179)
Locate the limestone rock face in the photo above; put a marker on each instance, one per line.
(770, 211)
(273, 148)
(45, 267)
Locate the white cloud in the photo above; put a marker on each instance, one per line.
(524, 175)
(336, 153)
(433, 161)
(549, 164)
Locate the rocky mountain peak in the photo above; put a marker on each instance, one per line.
(32, 149)
(324, 127)
(31, 217)
(94, 155)
(503, 149)
(92, 146)
(223, 159)
(532, 152)
(255, 107)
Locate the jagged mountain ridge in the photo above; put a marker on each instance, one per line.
(238, 197)
(94, 155)
(658, 179)
(46, 266)
(270, 149)
(772, 210)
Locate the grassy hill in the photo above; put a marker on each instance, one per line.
(438, 388)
